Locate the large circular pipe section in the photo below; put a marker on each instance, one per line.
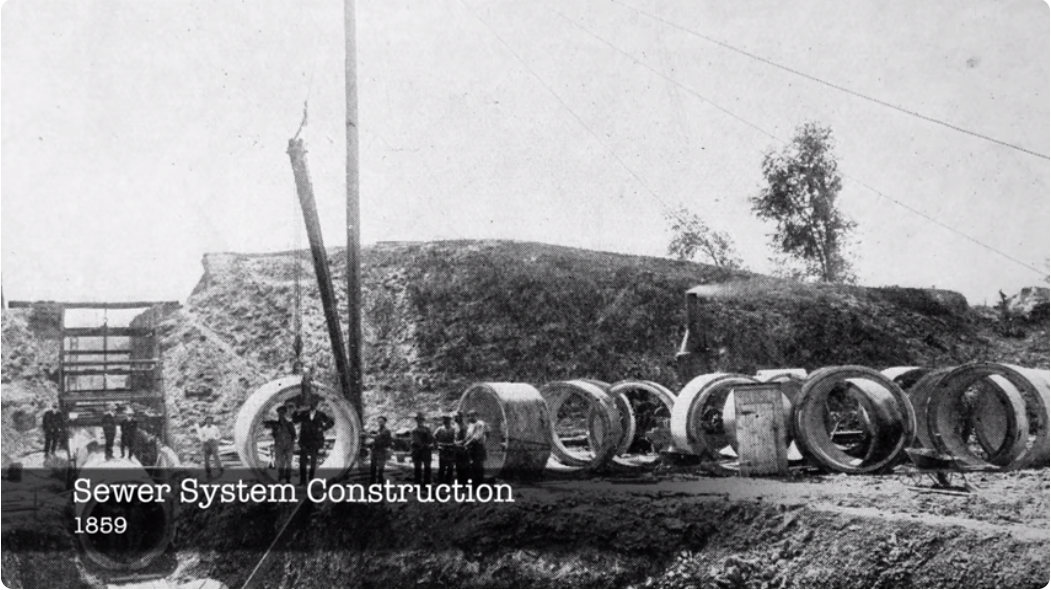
(697, 417)
(519, 440)
(883, 410)
(149, 526)
(906, 377)
(604, 429)
(619, 392)
(626, 413)
(1004, 406)
(261, 405)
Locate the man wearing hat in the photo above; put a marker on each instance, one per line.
(422, 442)
(313, 424)
(475, 443)
(54, 427)
(109, 430)
(461, 459)
(129, 428)
(381, 443)
(208, 434)
(284, 433)
(445, 438)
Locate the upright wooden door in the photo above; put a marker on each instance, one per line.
(760, 430)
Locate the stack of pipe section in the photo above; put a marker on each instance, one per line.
(697, 418)
(261, 405)
(519, 440)
(652, 423)
(883, 415)
(704, 416)
(149, 526)
(1002, 409)
(604, 422)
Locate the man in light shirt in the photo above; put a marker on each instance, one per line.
(209, 437)
(474, 441)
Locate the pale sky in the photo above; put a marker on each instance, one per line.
(137, 136)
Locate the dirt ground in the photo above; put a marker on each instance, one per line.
(627, 527)
(677, 531)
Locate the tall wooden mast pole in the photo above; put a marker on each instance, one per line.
(353, 213)
(305, 189)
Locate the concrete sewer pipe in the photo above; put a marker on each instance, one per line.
(150, 525)
(251, 436)
(696, 419)
(619, 392)
(906, 377)
(519, 440)
(1003, 406)
(605, 432)
(883, 412)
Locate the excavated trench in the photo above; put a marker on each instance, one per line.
(568, 535)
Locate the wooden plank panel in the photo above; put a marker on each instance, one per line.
(760, 429)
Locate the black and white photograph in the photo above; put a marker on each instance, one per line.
(508, 294)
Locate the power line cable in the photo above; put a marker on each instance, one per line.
(665, 76)
(833, 85)
(668, 209)
(950, 228)
(783, 141)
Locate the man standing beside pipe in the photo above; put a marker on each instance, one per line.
(313, 424)
(381, 443)
(422, 444)
(460, 449)
(284, 433)
(445, 438)
(209, 437)
(474, 441)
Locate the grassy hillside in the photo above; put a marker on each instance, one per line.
(439, 316)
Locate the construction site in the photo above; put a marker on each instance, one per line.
(846, 507)
(593, 418)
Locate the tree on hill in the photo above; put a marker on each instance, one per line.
(803, 186)
(691, 237)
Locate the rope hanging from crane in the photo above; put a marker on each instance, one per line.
(297, 291)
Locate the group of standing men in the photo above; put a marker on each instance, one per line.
(129, 428)
(461, 449)
(55, 424)
(312, 426)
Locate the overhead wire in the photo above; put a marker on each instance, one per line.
(834, 85)
(525, 65)
(784, 141)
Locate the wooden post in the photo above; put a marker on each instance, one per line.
(305, 189)
(353, 214)
(760, 429)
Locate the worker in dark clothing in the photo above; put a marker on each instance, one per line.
(284, 433)
(129, 428)
(109, 431)
(422, 443)
(51, 429)
(313, 424)
(460, 457)
(381, 444)
(445, 438)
